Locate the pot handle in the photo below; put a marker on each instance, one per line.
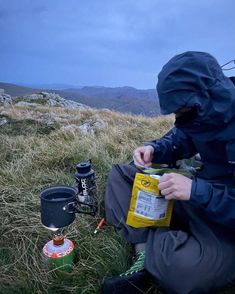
(71, 207)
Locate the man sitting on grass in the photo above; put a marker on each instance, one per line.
(196, 254)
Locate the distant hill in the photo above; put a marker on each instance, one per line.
(16, 90)
(118, 92)
(49, 86)
(123, 99)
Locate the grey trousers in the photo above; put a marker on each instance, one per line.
(193, 256)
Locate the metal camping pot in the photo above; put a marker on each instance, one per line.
(59, 204)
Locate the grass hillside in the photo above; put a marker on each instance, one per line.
(35, 153)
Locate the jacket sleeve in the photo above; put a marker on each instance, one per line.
(217, 199)
(173, 146)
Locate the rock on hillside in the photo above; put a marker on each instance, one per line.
(5, 99)
(47, 99)
(48, 118)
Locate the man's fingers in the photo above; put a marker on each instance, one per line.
(147, 155)
(143, 155)
(167, 191)
(139, 163)
(163, 185)
(165, 181)
(165, 177)
(137, 155)
(175, 186)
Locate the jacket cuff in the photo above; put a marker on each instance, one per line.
(201, 191)
(157, 154)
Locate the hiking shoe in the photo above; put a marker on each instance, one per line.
(133, 281)
(137, 266)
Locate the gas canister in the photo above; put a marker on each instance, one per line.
(59, 253)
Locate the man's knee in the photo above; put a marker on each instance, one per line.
(182, 278)
(175, 261)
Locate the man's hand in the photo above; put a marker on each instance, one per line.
(175, 186)
(143, 156)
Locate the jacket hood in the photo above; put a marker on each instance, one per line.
(195, 79)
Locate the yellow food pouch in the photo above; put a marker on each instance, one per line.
(147, 207)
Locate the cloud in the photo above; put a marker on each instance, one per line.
(124, 37)
(17, 9)
(40, 9)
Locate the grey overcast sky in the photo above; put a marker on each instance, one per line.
(108, 42)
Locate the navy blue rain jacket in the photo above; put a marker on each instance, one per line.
(195, 79)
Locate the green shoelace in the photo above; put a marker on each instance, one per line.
(137, 266)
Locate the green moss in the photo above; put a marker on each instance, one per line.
(41, 101)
